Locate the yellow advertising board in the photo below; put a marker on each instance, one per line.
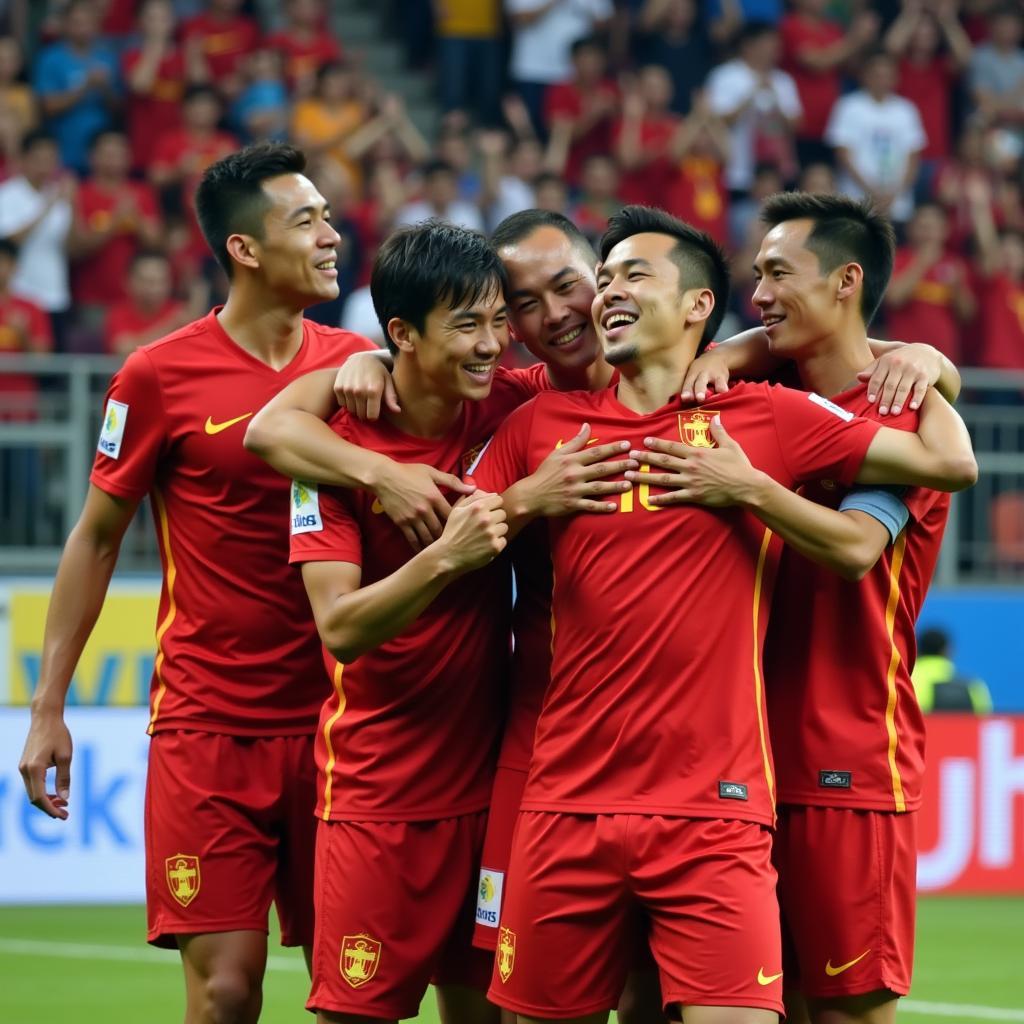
(117, 663)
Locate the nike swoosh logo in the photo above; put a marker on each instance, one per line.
(593, 440)
(216, 428)
(767, 979)
(833, 971)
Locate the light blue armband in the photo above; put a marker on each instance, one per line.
(884, 504)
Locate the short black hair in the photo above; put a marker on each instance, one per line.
(421, 266)
(588, 43)
(518, 226)
(701, 261)
(933, 642)
(845, 231)
(230, 198)
(752, 30)
(37, 137)
(104, 133)
(197, 90)
(8, 247)
(436, 166)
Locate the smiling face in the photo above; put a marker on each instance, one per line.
(551, 290)
(296, 253)
(798, 303)
(640, 307)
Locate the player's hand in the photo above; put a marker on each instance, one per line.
(905, 372)
(362, 383)
(708, 370)
(410, 496)
(718, 477)
(574, 477)
(476, 532)
(48, 744)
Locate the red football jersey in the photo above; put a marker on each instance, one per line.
(237, 650)
(818, 90)
(411, 729)
(127, 318)
(224, 42)
(304, 59)
(656, 703)
(845, 723)
(1001, 341)
(153, 113)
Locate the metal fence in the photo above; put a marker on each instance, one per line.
(47, 440)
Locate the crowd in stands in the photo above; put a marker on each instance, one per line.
(110, 110)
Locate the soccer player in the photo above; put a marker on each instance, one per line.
(238, 681)
(650, 798)
(849, 745)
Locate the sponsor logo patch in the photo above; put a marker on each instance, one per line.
(836, 410)
(112, 431)
(506, 953)
(732, 791)
(488, 897)
(305, 508)
(183, 877)
(360, 957)
(835, 780)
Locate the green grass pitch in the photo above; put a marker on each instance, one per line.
(89, 965)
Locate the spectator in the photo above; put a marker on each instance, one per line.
(727, 17)
(469, 58)
(760, 105)
(18, 111)
(35, 214)
(305, 43)
(580, 113)
(359, 316)
(507, 178)
(938, 685)
(24, 327)
(927, 75)
(440, 199)
(216, 42)
(878, 140)
(1001, 286)
(154, 73)
(929, 295)
(260, 110)
(952, 180)
(644, 136)
(672, 33)
(551, 194)
(599, 197)
(815, 51)
(543, 32)
(817, 178)
(374, 214)
(78, 84)
(150, 309)
(323, 122)
(746, 232)
(114, 218)
(455, 147)
(997, 70)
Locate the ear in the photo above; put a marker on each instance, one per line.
(244, 250)
(703, 302)
(851, 279)
(402, 334)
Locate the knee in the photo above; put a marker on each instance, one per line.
(231, 997)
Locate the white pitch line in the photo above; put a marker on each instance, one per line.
(959, 1011)
(140, 954)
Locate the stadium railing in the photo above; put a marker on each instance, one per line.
(47, 443)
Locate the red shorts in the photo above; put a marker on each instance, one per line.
(583, 890)
(506, 797)
(847, 889)
(394, 912)
(229, 830)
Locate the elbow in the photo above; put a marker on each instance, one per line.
(342, 644)
(257, 437)
(963, 472)
(855, 562)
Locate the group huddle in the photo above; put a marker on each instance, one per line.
(568, 750)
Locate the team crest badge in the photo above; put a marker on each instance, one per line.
(183, 877)
(695, 429)
(360, 956)
(506, 953)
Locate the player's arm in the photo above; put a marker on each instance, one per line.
(352, 619)
(290, 433)
(79, 589)
(939, 455)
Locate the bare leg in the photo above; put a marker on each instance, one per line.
(223, 976)
(329, 1017)
(640, 1002)
(796, 1008)
(874, 1008)
(600, 1017)
(459, 1004)
(728, 1015)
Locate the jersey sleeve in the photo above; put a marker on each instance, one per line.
(504, 460)
(324, 527)
(818, 438)
(134, 433)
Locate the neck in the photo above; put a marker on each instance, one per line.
(425, 412)
(595, 377)
(647, 385)
(831, 365)
(261, 325)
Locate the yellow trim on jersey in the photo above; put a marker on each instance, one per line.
(758, 683)
(339, 671)
(894, 662)
(172, 608)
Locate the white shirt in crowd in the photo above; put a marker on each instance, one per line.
(880, 137)
(541, 50)
(460, 213)
(41, 273)
(729, 87)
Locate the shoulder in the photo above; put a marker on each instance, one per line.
(176, 349)
(337, 339)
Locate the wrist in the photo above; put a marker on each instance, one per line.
(755, 490)
(374, 473)
(440, 561)
(46, 707)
